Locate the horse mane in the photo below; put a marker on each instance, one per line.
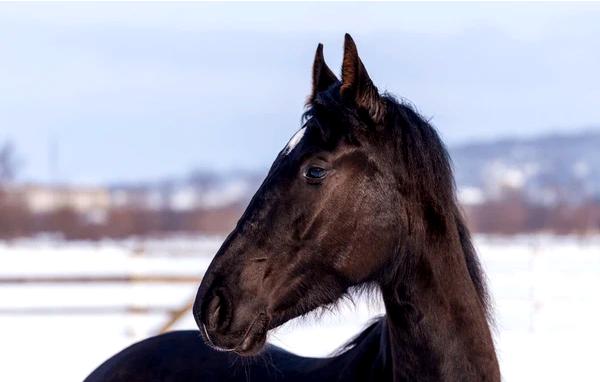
(428, 163)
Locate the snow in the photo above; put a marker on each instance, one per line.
(581, 169)
(544, 289)
(229, 193)
(471, 196)
(502, 175)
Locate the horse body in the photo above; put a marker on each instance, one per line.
(182, 356)
(362, 197)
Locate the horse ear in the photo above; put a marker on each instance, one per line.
(357, 86)
(322, 76)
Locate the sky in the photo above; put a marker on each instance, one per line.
(94, 93)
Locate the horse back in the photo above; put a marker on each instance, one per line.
(182, 356)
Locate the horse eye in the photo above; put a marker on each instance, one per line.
(315, 173)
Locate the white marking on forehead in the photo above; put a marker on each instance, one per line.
(294, 141)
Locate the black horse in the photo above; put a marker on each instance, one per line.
(361, 197)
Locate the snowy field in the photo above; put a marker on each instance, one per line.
(66, 307)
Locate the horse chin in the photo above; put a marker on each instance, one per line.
(251, 345)
(255, 337)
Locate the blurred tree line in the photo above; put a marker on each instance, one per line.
(8, 162)
(514, 213)
(17, 220)
(13, 215)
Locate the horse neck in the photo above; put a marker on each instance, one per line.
(438, 330)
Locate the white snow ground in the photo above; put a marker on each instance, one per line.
(545, 291)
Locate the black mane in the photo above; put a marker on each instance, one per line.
(429, 165)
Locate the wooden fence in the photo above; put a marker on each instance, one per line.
(173, 313)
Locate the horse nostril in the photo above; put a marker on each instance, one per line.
(214, 308)
(216, 313)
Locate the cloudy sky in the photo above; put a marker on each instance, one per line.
(124, 92)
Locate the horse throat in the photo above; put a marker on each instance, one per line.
(438, 330)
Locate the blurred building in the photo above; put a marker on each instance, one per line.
(50, 198)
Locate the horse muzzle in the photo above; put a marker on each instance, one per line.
(224, 327)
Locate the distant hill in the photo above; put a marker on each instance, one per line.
(546, 169)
